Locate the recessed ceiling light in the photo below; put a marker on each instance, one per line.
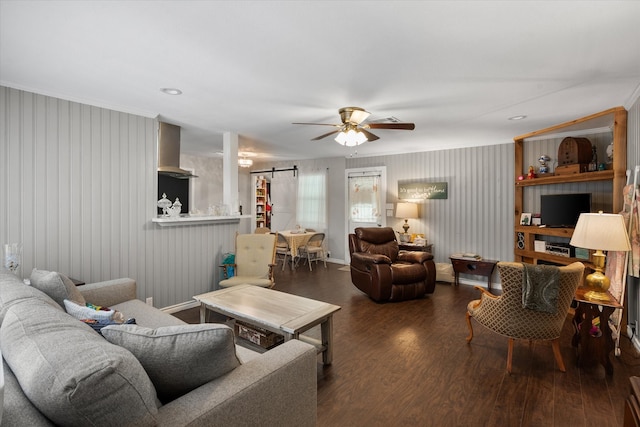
(171, 91)
(517, 117)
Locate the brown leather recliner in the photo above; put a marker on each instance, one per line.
(382, 271)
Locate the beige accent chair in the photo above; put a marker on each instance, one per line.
(313, 250)
(254, 261)
(506, 316)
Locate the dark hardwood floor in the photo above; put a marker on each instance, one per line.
(408, 364)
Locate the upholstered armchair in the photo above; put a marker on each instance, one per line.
(254, 261)
(382, 271)
(547, 302)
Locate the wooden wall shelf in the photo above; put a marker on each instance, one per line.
(613, 119)
(605, 175)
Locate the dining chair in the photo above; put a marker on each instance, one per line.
(314, 250)
(282, 249)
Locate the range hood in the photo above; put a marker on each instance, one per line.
(169, 152)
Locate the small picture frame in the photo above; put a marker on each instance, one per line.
(525, 219)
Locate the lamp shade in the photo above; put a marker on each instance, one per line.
(601, 231)
(406, 210)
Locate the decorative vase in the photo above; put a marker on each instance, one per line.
(12, 257)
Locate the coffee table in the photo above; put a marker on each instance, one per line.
(278, 312)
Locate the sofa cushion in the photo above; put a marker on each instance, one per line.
(178, 359)
(13, 291)
(57, 286)
(17, 408)
(146, 315)
(70, 373)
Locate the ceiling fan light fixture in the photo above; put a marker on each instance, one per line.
(351, 138)
(244, 162)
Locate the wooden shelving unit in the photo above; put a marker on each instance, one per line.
(261, 199)
(614, 119)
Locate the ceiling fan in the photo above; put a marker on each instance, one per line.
(354, 130)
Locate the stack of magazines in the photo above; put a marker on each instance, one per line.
(467, 255)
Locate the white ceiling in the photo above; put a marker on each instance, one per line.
(457, 69)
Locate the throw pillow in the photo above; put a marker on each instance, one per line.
(58, 286)
(181, 358)
(83, 312)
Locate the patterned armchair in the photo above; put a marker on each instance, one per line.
(506, 316)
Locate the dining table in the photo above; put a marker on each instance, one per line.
(296, 239)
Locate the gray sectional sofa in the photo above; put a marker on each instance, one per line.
(59, 371)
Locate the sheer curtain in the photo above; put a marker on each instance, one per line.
(311, 207)
(364, 199)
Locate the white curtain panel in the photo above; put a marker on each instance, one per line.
(311, 209)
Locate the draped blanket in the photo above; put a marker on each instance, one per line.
(540, 288)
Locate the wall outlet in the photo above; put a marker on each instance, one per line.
(328, 254)
(149, 301)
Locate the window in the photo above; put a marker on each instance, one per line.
(364, 199)
(311, 207)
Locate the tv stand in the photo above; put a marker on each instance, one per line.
(604, 128)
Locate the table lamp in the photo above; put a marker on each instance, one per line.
(406, 211)
(600, 231)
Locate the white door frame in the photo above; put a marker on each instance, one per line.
(382, 171)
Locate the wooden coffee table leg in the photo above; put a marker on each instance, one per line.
(203, 313)
(326, 328)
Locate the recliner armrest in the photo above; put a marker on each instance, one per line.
(362, 259)
(414, 256)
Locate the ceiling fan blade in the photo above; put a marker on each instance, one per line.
(403, 126)
(318, 124)
(325, 135)
(369, 135)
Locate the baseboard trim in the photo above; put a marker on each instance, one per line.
(636, 342)
(179, 307)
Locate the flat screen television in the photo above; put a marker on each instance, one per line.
(563, 210)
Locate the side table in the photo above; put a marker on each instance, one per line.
(593, 346)
(414, 247)
(481, 267)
